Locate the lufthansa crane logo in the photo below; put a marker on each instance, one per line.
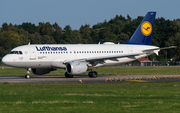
(146, 28)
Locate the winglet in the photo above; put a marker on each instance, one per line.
(143, 34)
(29, 43)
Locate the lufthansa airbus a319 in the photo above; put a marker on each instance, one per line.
(79, 58)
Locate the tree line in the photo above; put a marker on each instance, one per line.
(118, 30)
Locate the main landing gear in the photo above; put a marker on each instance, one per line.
(27, 73)
(68, 75)
(92, 74)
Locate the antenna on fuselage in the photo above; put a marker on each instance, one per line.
(29, 43)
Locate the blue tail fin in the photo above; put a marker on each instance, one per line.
(143, 34)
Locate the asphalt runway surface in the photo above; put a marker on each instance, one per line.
(86, 79)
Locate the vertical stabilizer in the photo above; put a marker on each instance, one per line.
(143, 34)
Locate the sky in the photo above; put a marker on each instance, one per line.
(80, 12)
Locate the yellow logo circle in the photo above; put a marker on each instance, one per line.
(146, 28)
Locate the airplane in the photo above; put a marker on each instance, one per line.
(79, 58)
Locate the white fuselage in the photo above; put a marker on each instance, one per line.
(54, 55)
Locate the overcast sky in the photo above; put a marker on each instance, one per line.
(80, 12)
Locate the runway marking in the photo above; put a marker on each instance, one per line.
(138, 80)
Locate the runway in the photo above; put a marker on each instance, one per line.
(86, 79)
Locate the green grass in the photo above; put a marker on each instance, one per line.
(90, 98)
(147, 97)
(151, 70)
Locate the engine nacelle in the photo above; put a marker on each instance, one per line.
(41, 71)
(75, 68)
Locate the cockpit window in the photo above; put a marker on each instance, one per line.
(12, 52)
(15, 52)
(20, 52)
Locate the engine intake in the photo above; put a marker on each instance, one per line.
(75, 68)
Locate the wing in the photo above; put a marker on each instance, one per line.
(114, 57)
(104, 57)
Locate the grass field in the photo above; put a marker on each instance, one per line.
(151, 70)
(134, 97)
(91, 98)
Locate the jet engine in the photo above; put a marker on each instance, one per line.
(41, 71)
(74, 68)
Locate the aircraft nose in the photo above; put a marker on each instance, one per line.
(5, 60)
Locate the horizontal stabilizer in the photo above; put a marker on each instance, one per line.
(160, 48)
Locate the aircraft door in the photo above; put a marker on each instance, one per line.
(32, 53)
(130, 50)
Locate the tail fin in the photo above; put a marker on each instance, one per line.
(143, 34)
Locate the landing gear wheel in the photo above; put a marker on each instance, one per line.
(68, 75)
(92, 74)
(27, 76)
(28, 72)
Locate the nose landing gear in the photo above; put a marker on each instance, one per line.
(27, 76)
